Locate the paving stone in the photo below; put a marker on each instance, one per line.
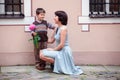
(16, 69)
(113, 68)
(112, 78)
(90, 78)
(93, 68)
(30, 73)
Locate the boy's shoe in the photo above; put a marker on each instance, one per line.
(38, 67)
(52, 66)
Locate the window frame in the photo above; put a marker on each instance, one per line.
(28, 19)
(84, 18)
(12, 14)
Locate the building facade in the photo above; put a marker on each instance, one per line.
(93, 27)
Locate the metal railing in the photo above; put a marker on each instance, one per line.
(104, 8)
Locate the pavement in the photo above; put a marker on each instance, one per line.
(30, 73)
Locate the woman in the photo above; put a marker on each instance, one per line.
(61, 55)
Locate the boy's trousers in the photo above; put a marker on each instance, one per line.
(38, 61)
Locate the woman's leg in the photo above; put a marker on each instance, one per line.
(48, 59)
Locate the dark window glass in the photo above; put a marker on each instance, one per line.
(114, 5)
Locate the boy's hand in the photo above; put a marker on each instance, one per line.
(34, 33)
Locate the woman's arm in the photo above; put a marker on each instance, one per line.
(52, 39)
(62, 38)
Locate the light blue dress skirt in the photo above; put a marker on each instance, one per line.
(63, 58)
(63, 61)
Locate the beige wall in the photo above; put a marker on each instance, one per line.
(14, 39)
(100, 38)
(73, 9)
(99, 46)
(15, 49)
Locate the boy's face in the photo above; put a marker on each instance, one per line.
(41, 16)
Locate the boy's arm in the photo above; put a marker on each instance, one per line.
(50, 26)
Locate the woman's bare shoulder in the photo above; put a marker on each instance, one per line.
(63, 27)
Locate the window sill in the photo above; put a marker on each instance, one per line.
(25, 21)
(88, 20)
(11, 16)
(104, 15)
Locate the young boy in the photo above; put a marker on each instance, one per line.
(41, 27)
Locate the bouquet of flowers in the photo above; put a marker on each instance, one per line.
(36, 37)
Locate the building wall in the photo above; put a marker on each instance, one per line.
(99, 45)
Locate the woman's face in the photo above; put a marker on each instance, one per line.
(56, 20)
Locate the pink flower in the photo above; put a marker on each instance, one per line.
(32, 27)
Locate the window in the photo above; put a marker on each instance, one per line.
(11, 9)
(104, 8)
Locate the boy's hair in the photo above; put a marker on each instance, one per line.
(40, 10)
(62, 16)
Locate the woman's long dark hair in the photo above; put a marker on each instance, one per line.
(62, 16)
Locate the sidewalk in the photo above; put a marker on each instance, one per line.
(30, 73)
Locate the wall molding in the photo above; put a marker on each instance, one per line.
(87, 20)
